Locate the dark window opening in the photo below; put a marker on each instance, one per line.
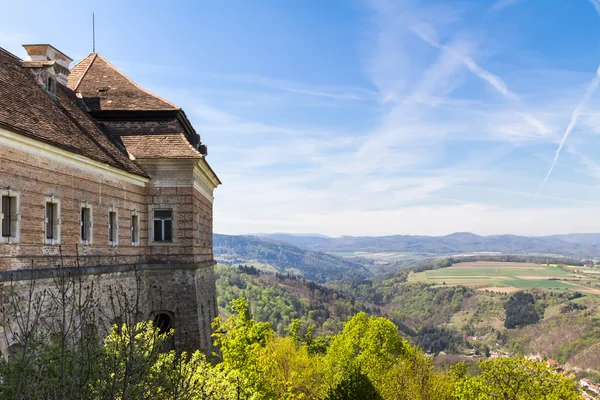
(163, 322)
(7, 220)
(163, 225)
(49, 220)
(112, 227)
(134, 229)
(51, 85)
(85, 224)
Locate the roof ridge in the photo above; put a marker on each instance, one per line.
(106, 133)
(8, 53)
(86, 69)
(135, 84)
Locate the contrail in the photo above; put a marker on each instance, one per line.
(574, 117)
(596, 4)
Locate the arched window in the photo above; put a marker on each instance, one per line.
(163, 322)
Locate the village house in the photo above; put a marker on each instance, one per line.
(100, 176)
(585, 382)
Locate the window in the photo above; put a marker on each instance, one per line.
(163, 225)
(86, 224)
(113, 227)
(197, 227)
(135, 228)
(52, 221)
(204, 235)
(10, 216)
(51, 85)
(6, 216)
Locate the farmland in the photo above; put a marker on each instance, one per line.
(508, 277)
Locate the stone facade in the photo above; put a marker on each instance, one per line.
(122, 188)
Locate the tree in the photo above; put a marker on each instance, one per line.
(240, 340)
(515, 379)
(520, 310)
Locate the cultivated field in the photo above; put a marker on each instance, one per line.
(509, 277)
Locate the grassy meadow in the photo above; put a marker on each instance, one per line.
(509, 277)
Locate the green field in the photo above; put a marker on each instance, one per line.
(506, 276)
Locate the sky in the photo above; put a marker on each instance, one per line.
(366, 117)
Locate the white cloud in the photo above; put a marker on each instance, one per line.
(459, 142)
(501, 4)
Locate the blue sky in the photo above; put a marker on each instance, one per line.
(366, 117)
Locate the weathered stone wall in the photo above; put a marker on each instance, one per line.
(186, 293)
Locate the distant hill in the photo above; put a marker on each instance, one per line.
(574, 245)
(285, 258)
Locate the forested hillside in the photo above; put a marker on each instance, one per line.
(434, 318)
(284, 258)
(279, 299)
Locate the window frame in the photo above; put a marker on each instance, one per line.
(15, 217)
(163, 225)
(197, 227)
(90, 232)
(135, 228)
(51, 84)
(114, 232)
(56, 223)
(162, 206)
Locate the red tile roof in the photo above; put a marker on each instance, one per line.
(105, 88)
(26, 108)
(160, 146)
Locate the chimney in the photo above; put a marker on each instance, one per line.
(48, 64)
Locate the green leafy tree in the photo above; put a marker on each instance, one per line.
(240, 340)
(515, 379)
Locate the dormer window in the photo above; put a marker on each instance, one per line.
(51, 85)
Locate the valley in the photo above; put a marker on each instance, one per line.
(445, 305)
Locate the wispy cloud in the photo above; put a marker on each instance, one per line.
(332, 92)
(596, 4)
(450, 134)
(501, 4)
(427, 33)
(574, 117)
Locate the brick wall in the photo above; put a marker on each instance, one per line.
(144, 127)
(35, 177)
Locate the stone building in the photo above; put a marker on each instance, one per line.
(106, 180)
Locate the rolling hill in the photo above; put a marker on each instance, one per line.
(285, 258)
(574, 245)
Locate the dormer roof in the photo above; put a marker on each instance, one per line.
(59, 120)
(104, 88)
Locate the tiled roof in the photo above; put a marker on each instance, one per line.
(160, 146)
(105, 88)
(27, 109)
